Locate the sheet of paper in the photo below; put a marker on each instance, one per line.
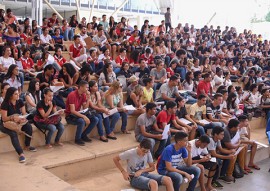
(213, 159)
(56, 113)
(137, 74)
(185, 121)
(129, 107)
(225, 114)
(160, 103)
(238, 150)
(56, 88)
(165, 132)
(263, 145)
(83, 111)
(100, 57)
(111, 112)
(24, 116)
(182, 91)
(204, 121)
(236, 138)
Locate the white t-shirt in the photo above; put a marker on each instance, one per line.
(194, 69)
(45, 39)
(6, 62)
(196, 151)
(218, 80)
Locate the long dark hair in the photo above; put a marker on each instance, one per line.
(188, 79)
(9, 93)
(105, 72)
(230, 101)
(10, 70)
(72, 20)
(32, 89)
(69, 68)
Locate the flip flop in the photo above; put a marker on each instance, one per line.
(248, 170)
(126, 132)
(254, 167)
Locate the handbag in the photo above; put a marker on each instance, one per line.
(54, 120)
(238, 171)
(16, 126)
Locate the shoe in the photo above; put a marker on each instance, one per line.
(32, 149)
(126, 132)
(226, 179)
(111, 137)
(103, 140)
(21, 159)
(217, 184)
(86, 139)
(79, 142)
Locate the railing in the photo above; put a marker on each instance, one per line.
(131, 6)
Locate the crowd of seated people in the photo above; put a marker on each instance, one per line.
(204, 82)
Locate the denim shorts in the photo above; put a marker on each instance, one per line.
(142, 182)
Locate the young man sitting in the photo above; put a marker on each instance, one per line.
(167, 116)
(168, 91)
(75, 100)
(232, 142)
(244, 131)
(216, 150)
(201, 158)
(176, 162)
(146, 128)
(213, 111)
(137, 172)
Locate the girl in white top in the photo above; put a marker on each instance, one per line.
(6, 60)
(12, 77)
(252, 97)
(196, 66)
(227, 82)
(33, 96)
(188, 84)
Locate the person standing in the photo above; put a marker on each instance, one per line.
(168, 19)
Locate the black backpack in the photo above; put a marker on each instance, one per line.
(238, 171)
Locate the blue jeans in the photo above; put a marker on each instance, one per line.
(27, 128)
(142, 182)
(201, 130)
(155, 88)
(74, 120)
(99, 124)
(110, 127)
(224, 166)
(116, 70)
(68, 34)
(182, 71)
(51, 129)
(177, 178)
(162, 144)
(59, 101)
(218, 124)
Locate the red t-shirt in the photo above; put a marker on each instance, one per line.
(26, 39)
(170, 71)
(75, 50)
(164, 117)
(203, 85)
(119, 60)
(149, 60)
(52, 22)
(61, 61)
(76, 99)
(27, 63)
(133, 39)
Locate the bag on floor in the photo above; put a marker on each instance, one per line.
(238, 172)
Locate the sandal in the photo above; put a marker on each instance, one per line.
(254, 167)
(248, 170)
(126, 132)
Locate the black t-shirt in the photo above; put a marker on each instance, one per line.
(34, 49)
(41, 78)
(146, 71)
(181, 113)
(41, 105)
(12, 109)
(203, 50)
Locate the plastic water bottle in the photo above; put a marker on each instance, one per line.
(186, 180)
(268, 135)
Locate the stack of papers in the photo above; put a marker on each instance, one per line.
(111, 112)
(165, 133)
(56, 88)
(129, 107)
(56, 113)
(204, 121)
(183, 120)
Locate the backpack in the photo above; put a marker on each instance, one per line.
(238, 171)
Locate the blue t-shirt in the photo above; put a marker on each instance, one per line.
(171, 155)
